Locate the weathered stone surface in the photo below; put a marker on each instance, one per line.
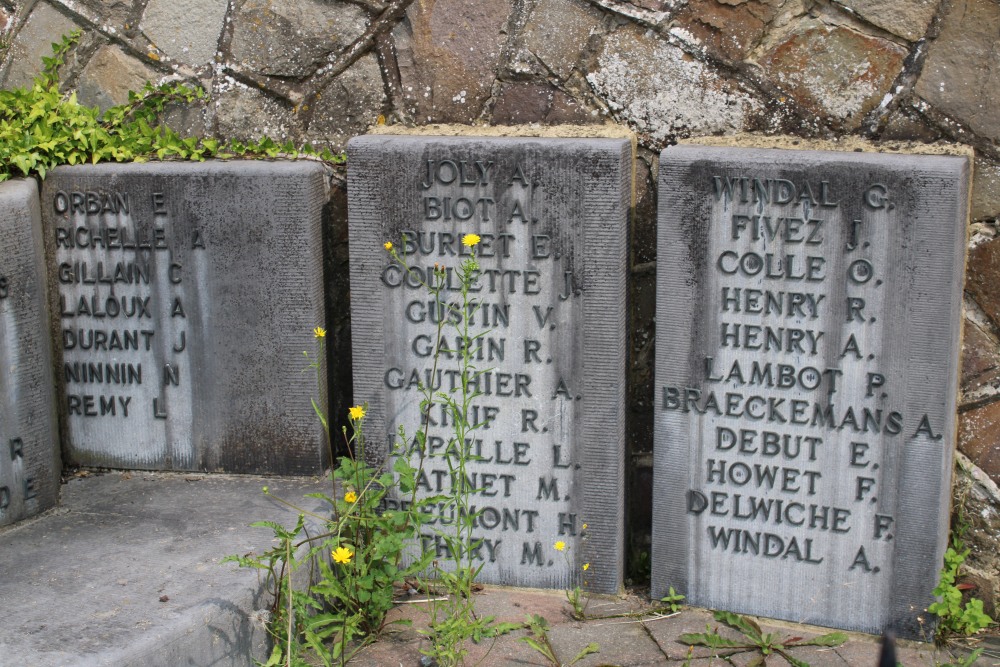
(982, 277)
(292, 37)
(29, 441)
(187, 294)
(961, 75)
(110, 75)
(979, 437)
(242, 112)
(986, 190)
(520, 103)
(980, 359)
(662, 92)
(448, 56)
(859, 432)
(908, 20)
(111, 13)
(833, 70)
(127, 572)
(186, 30)
(977, 499)
(905, 125)
(557, 33)
(34, 41)
(552, 214)
(726, 30)
(349, 105)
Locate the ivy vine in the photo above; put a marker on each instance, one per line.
(42, 128)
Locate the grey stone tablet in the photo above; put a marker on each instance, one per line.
(29, 435)
(552, 215)
(185, 296)
(808, 333)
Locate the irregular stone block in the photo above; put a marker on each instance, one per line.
(906, 19)
(807, 348)
(185, 296)
(33, 42)
(449, 51)
(811, 64)
(983, 274)
(661, 91)
(186, 30)
(979, 437)
(551, 310)
(557, 33)
(111, 75)
(29, 438)
(968, 35)
(294, 37)
(727, 30)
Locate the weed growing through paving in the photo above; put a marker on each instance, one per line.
(767, 644)
(364, 550)
(453, 621)
(538, 639)
(673, 601)
(359, 555)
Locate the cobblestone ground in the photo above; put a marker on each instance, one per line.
(631, 632)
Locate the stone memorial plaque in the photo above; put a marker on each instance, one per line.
(29, 436)
(552, 217)
(185, 296)
(808, 332)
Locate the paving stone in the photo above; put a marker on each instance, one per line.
(621, 641)
(667, 629)
(948, 83)
(127, 572)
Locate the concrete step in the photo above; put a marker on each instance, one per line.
(126, 571)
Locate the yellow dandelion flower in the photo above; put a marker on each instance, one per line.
(350, 497)
(585, 526)
(266, 490)
(387, 245)
(586, 566)
(319, 332)
(342, 555)
(470, 240)
(357, 412)
(559, 546)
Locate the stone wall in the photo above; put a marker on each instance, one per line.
(325, 70)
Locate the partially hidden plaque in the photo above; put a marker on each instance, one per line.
(551, 215)
(184, 296)
(808, 332)
(29, 436)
